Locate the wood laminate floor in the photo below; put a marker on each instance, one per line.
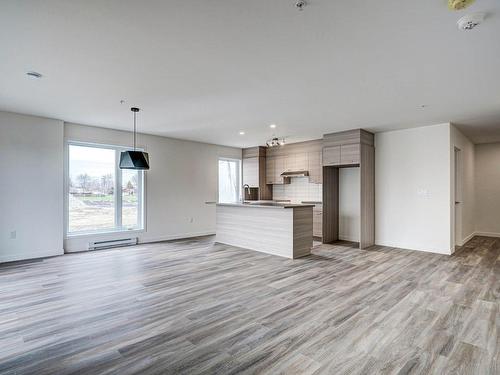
(192, 307)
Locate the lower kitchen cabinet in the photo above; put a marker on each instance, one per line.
(318, 221)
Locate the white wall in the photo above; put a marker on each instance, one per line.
(349, 204)
(465, 191)
(412, 189)
(487, 185)
(31, 190)
(183, 176)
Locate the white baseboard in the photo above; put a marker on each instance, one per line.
(175, 237)
(413, 248)
(468, 238)
(145, 240)
(487, 234)
(348, 238)
(30, 256)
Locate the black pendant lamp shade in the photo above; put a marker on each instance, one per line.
(138, 160)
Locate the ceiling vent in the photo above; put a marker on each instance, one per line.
(470, 21)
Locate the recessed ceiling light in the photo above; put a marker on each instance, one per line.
(272, 126)
(34, 75)
(242, 133)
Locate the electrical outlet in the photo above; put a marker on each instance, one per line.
(13, 235)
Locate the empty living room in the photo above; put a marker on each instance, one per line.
(249, 187)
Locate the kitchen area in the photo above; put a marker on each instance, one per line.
(319, 190)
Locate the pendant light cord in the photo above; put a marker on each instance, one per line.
(135, 113)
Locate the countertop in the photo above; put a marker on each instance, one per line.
(266, 205)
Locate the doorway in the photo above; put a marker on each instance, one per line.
(457, 193)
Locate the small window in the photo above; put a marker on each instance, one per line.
(229, 180)
(102, 198)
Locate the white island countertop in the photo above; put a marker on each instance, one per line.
(266, 204)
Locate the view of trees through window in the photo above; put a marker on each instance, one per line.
(93, 181)
(229, 180)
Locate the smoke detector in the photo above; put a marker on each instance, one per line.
(470, 21)
(300, 4)
(459, 4)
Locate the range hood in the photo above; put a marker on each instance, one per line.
(295, 174)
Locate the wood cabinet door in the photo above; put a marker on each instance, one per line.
(301, 161)
(289, 161)
(349, 154)
(314, 167)
(251, 172)
(318, 221)
(270, 170)
(331, 155)
(279, 168)
(320, 180)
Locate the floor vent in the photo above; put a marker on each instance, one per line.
(98, 245)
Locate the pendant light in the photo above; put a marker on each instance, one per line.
(138, 160)
(275, 142)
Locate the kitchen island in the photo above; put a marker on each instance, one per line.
(281, 229)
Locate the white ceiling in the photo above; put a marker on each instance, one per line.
(205, 70)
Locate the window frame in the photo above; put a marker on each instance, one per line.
(239, 173)
(141, 219)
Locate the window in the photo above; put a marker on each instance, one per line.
(229, 180)
(102, 197)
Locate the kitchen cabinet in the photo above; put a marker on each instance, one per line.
(331, 156)
(255, 174)
(349, 154)
(355, 148)
(290, 162)
(270, 170)
(315, 167)
(301, 161)
(318, 220)
(251, 172)
(294, 157)
(279, 168)
(296, 162)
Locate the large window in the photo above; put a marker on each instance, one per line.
(102, 197)
(229, 180)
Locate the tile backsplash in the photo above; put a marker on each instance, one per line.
(300, 189)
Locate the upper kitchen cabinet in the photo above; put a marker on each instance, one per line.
(279, 168)
(350, 154)
(289, 162)
(270, 170)
(251, 172)
(344, 149)
(314, 166)
(354, 148)
(255, 173)
(301, 161)
(331, 155)
(296, 162)
(294, 157)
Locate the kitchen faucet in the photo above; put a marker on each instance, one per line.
(246, 188)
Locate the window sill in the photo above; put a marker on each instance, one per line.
(106, 233)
